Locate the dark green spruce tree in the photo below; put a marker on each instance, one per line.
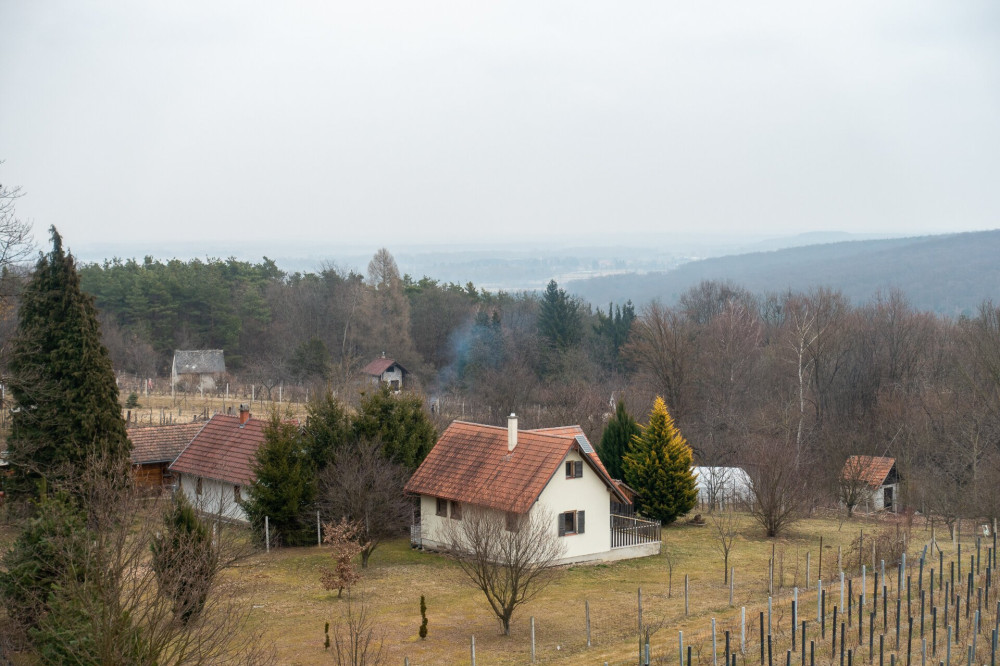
(285, 486)
(559, 319)
(616, 440)
(399, 422)
(61, 379)
(327, 431)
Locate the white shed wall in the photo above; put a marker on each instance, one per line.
(216, 497)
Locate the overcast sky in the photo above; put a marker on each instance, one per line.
(390, 122)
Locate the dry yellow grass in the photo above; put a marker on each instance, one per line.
(157, 409)
(292, 606)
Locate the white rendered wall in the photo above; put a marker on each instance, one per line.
(589, 494)
(216, 497)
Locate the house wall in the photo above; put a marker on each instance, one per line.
(216, 497)
(393, 374)
(589, 494)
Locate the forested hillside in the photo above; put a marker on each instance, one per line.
(949, 275)
(807, 371)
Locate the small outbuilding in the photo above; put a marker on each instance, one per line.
(197, 369)
(154, 448)
(386, 371)
(871, 482)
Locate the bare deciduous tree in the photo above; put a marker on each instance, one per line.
(726, 527)
(777, 488)
(119, 612)
(509, 557)
(365, 488)
(356, 638)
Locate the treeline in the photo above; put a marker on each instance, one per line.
(323, 327)
(805, 378)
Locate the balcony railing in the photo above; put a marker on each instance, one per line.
(629, 530)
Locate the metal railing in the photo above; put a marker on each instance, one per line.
(628, 530)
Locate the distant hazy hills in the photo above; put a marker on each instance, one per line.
(948, 274)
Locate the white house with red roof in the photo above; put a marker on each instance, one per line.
(553, 470)
(386, 371)
(215, 468)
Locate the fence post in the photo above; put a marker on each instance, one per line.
(586, 608)
(732, 583)
(715, 658)
(319, 534)
(685, 595)
(743, 628)
(267, 534)
(532, 639)
(472, 650)
(680, 647)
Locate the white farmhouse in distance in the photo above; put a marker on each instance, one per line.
(516, 472)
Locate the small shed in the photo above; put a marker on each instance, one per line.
(154, 448)
(197, 368)
(876, 479)
(719, 487)
(387, 371)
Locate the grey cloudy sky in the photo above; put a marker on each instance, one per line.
(402, 121)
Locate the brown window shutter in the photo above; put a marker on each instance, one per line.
(579, 522)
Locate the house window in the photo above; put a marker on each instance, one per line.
(456, 510)
(571, 522)
(442, 507)
(236, 494)
(574, 469)
(197, 486)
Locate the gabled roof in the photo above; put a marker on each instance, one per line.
(872, 470)
(199, 361)
(223, 450)
(575, 431)
(160, 444)
(380, 365)
(470, 464)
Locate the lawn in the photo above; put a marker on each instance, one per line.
(291, 605)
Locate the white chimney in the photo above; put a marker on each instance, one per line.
(511, 432)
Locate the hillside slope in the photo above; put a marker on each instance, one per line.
(948, 274)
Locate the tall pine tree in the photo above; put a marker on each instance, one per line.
(61, 378)
(658, 467)
(616, 439)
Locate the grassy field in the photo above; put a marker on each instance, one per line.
(157, 409)
(290, 604)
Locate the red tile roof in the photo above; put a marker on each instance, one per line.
(159, 444)
(380, 365)
(470, 464)
(574, 431)
(223, 450)
(871, 469)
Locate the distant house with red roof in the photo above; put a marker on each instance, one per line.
(217, 465)
(511, 471)
(154, 448)
(874, 481)
(386, 371)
